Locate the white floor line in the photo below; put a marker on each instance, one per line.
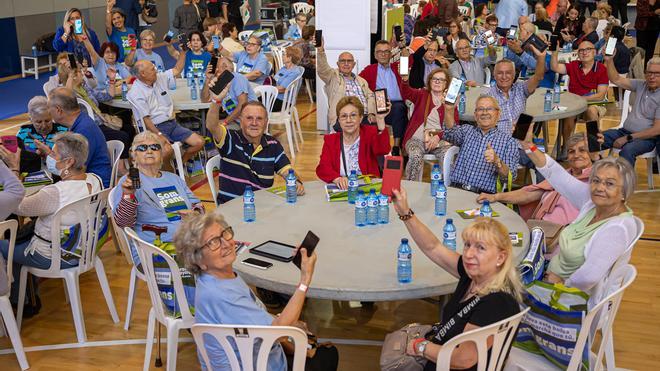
(110, 343)
(15, 126)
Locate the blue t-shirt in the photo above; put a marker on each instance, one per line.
(244, 65)
(121, 38)
(293, 33)
(239, 85)
(285, 76)
(155, 58)
(98, 159)
(231, 302)
(101, 72)
(197, 62)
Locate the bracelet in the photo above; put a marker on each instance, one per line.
(407, 216)
(416, 342)
(299, 181)
(533, 148)
(302, 287)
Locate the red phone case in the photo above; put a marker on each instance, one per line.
(9, 142)
(392, 172)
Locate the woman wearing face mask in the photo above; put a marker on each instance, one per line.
(118, 33)
(197, 58)
(106, 67)
(146, 52)
(67, 40)
(68, 161)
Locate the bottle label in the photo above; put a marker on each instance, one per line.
(248, 200)
(373, 203)
(361, 204)
(352, 183)
(435, 176)
(290, 182)
(449, 235)
(383, 202)
(405, 256)
(441, 194)
(488, 214)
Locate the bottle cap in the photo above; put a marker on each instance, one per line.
(450, 221)
(372, 191)
(436, 166)
(360, 192)
(486, 203)
(248, 188)
(290, 171)
(404, 240)
(353, 172)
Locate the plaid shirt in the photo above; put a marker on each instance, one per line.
(511, 107)
(471, 167)
(353, 90)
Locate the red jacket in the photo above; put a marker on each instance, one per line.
(419, 98)
(370, 74)
(372, 145)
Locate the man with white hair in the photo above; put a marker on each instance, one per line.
(515, 52)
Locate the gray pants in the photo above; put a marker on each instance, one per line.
(416, 151)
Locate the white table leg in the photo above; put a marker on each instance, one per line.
(36, 68)
(23, 67)
(50, 62)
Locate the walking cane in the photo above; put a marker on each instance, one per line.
(159, 361)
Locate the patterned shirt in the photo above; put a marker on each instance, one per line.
(352, 152)
(242, 164)
(511, 107)
(471, 167)
(26, 132)
(353, 90)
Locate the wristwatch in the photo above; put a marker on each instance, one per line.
(629, 137)
(407, 216)
(421, 347)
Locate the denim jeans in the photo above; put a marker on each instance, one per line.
(630, 150)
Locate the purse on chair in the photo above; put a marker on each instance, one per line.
(393, 357)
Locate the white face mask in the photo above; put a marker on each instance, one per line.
(51, 163)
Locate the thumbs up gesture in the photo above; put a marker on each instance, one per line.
(489, 154)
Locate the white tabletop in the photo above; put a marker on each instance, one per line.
(574, 104)
(180, 97)
(353, 263)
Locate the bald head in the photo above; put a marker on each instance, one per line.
(64, 98)
(145, 71)
(526, 30)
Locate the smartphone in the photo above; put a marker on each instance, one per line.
(10, 142)
(72, 61)
(512, 33)
(611, 46)
(397, 32)
(392, 173)
(216, 41)
(554, 40)
(134, 176)
(77, 27)
(224, 79)
(183, 41)
(522, 126)
(318, 38)
(489, 37)
(213, 63)
(309, 243)
(403, 65)
(539, 44)
(168, 36)
(256, 263)
(454, 89)
(381, 100)
(592, 136)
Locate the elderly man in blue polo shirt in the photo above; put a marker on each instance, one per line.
(64, 109)
(249, 155)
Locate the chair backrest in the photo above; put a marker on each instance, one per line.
(49, 85)
(545, 33)
(464, 10)
(502, 333)
(90, 111)
(278, 56)
(451, 154)
(626, 107)
(115, 148)
(487, 73)
(89, 212)
(244, 336)
(178, 158)
(301, 7)
(244, 35)
(414, 10)
(146, 252)
(120, 235)
(212, 164)
(12, 227)
(268, 94)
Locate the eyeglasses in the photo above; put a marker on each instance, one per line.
(486, 109)
(253, 44)
(492, 24)
(144, 147)
(383, 51)
(353, 116)
(438, 80)
(463, 48)
(610, 185)
(214, 243)
(585, 50)
(345, 61)
(432, 50)
(653, 73)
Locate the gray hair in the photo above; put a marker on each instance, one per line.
(654, 60)
(504, 60)
(593, 22)
(72, 145)
(38, 106)
(574, 139)
(144, 136)
(623, 168)
(188, 238)
(64, 98)
(148, 32)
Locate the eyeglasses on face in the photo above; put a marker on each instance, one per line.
(486, 109)
(610, 184)
(383, 51)
(653, 73)
(438, 80)
(352, 116)
(585, 50)
(215, 242)
(345, 61)
(253, 44)
(144, 147)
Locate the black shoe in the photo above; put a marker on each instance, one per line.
(270, 299)
(29, 310)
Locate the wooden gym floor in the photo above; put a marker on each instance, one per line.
(50, 339)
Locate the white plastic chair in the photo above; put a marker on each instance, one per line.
(50, 84)
(6, 312)
(244, 336)
(278, 56)
(450, 156)
(464, 10)
(243, 36)
(146, 252)
(546, 34)
(268, 95)
(414, 10)
(211, 164)
(89, 211)
(626, 108)
(606, 308)
(302, 8)
(502, 333)
(115, 148)
(88, 108)
(487, 72)
(286, 115)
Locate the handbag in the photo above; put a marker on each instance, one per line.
(393, 356)
(113, 122)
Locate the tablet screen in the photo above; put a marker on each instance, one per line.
(277, 249)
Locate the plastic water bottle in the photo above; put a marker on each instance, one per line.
(352, 186)
(449, 234)
(383, 209)
(436, 175)
(291, 191)
(189, 76)
(463, 80)
(124, 91)
(372, 207)
(461, 103)
(441, 200)
(360, 209)
(557, 93)
(547, 101)
(404, 262)
(171, 83)
(486, 210)
(249, 209)
(193, 90)
(34, 50)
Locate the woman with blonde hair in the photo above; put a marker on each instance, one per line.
(489, 288)
(67, 40)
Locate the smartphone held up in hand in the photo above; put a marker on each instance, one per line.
(454, 89)
(381, 100)
(403, 66)
(134, 176)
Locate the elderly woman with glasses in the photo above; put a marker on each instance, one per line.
(355, 148)
(206, 244)
(147, 40)
(604, 228)
(157, 198)
(251, 63)
(295, 30)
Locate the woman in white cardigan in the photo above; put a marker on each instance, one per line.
(604, 228)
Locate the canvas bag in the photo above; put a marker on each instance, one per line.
(531, 267)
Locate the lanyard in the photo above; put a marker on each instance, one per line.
(343, 154)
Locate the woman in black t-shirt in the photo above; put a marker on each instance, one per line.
(489, 288)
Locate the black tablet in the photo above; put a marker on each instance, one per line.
(275, 250)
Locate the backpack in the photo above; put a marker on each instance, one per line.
(45, 42)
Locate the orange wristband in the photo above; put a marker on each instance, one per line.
(533, 148)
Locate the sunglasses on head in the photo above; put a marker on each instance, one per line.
(144, 147)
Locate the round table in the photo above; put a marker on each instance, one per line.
(180, 97)
(574, 104)
(354, 263)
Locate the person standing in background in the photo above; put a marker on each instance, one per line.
(131, 9)
(646, 25)
(187, 17)
(231, 11)
(620, 6)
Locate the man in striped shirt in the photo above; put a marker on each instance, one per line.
(249, 155)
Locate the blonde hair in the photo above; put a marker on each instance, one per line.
(494, 233)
